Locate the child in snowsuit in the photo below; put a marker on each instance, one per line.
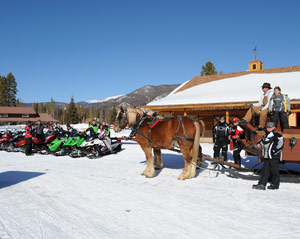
(271, 144)
(235, 134)
(220, 137)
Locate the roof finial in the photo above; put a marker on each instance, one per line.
(255, 51)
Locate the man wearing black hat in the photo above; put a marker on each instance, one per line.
(221, 132)
(261, 108)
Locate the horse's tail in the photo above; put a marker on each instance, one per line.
(196, 142)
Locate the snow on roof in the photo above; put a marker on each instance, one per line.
(243, 88)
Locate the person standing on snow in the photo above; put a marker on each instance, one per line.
(220, 137)
(271, 144)
(39, 129)
(279, 108)
(235, 135)
(28, 138)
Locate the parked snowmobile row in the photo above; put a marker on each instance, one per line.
(60, 144)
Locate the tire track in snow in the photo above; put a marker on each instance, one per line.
(39, 220)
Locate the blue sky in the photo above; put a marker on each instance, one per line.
(95, 49)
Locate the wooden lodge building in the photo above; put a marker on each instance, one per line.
(230, 94)
(20, 115)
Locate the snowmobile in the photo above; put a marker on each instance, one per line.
(95, 147)
(87, 147)
(4, 140)
(72, 144)
(57, 143)
(43, 146)
(11, 144)
(38, 146)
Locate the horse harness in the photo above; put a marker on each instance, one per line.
(153, 123)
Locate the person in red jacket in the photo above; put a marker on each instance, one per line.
(235, 134)
(28, 137)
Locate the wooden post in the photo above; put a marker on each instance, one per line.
(227, 117)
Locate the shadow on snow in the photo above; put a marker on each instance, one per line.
(10, 178)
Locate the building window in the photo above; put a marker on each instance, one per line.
(3, 115)
(254, 66)
(25, 115)
(298, 120)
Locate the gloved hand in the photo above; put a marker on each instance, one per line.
(289, 112)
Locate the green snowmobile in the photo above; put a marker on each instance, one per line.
(57, 144)
(71, 144)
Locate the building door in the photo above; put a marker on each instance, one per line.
(298, 119)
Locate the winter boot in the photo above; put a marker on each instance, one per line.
(272, 187)
(259, 187)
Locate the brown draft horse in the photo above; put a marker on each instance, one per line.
(185, 131)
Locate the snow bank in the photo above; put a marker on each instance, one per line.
(60, 197)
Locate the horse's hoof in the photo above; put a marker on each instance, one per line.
(148, 175)
(181, 177)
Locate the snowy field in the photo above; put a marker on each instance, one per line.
(44, 196)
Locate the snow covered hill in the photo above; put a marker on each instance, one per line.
(138, 97)
(103, 100)
(43, 196)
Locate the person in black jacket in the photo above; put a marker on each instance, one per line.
(271, 144)
(58, 129)
(71, 131)
(220, 137)
(39, 130)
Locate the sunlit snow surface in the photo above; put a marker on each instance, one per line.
(44, 196)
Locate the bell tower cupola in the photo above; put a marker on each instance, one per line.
(255, 65)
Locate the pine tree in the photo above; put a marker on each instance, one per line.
(35, 106)
(52, 108)
(112, 115)
(19, 102)
(42, 108)
(72, 115)
(208, 69)
(80, 112)
(91, 113)
(8, 90)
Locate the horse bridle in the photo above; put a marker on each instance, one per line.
(122, 121)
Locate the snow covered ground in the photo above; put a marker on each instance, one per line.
(44, 196)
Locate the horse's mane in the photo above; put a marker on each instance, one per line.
(134, 111)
